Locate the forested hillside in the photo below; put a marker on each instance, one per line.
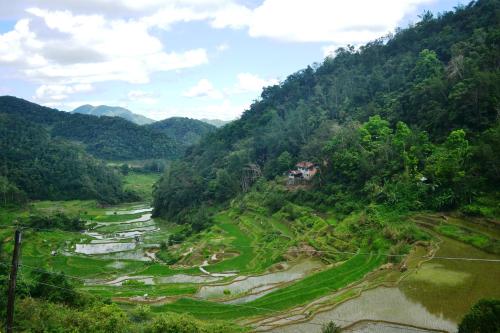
(113, 111)
(111, 138)
(35, 166)
(185, 131)
(409, 120)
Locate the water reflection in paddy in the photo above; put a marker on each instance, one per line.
(449, 288)
(388, 304)
(129, 212)
(261, 282)
(102, 248)
(436, 296)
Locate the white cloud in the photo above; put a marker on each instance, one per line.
(56, 92)
(109, 8)
(142, 97)
(204, 88)
(88, 48)
(248, 82)
(340, 22)
(231, 15)
(20, 45)
(67, 45)
(222, 47)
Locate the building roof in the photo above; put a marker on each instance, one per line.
(304, 164)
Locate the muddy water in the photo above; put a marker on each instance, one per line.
(250, 284)
(129, 212)
(184, 278)
(375, 327)
(388, 304)
(147, 280)
(448, 288)
(434, 297)
(121, 240)
(143, 218)
(104, 248)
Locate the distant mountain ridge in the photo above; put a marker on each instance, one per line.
(216, 122)
(184, 130)
(110, 138)
(113, 111)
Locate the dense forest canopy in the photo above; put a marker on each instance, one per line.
(104, 137)
(33, 165)
(410, 119)
(184, 130)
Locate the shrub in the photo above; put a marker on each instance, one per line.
(483, 317)
(330, 327)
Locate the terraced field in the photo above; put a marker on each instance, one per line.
(298, 293)
(247, 265)
(115, 257)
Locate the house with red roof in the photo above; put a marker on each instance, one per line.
(305, 171)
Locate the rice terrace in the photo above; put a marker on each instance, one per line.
(359, 194)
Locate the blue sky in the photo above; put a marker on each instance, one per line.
(193, 58)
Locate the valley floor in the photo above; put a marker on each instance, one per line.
(265, 273)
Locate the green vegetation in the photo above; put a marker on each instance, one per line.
(51, 295)
(133, 288)
(185, 131)
(57, 221)
(404, 125)
(468, 236)
(111, 138)
(477, 233)
(36, 166)
(97, 317)
(483, 317)
(141, 184)
(307, 289)
(330, 327)
(409, 122)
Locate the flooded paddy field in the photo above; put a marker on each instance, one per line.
(225, 274)
(432, 298)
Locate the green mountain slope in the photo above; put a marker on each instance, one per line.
(35, 166)
(405, 118)
(113, 111)
(184, 130)
(111, 138)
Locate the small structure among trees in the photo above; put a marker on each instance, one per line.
(304, 171)
(251, 172)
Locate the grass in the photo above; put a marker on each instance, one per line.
(240, 241)
(260, 240)
(116, 218)
(164, 270)
(141, 183)
(478, 233)
(140, 290)
(465, 235)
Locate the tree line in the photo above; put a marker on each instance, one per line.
(409, 119)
